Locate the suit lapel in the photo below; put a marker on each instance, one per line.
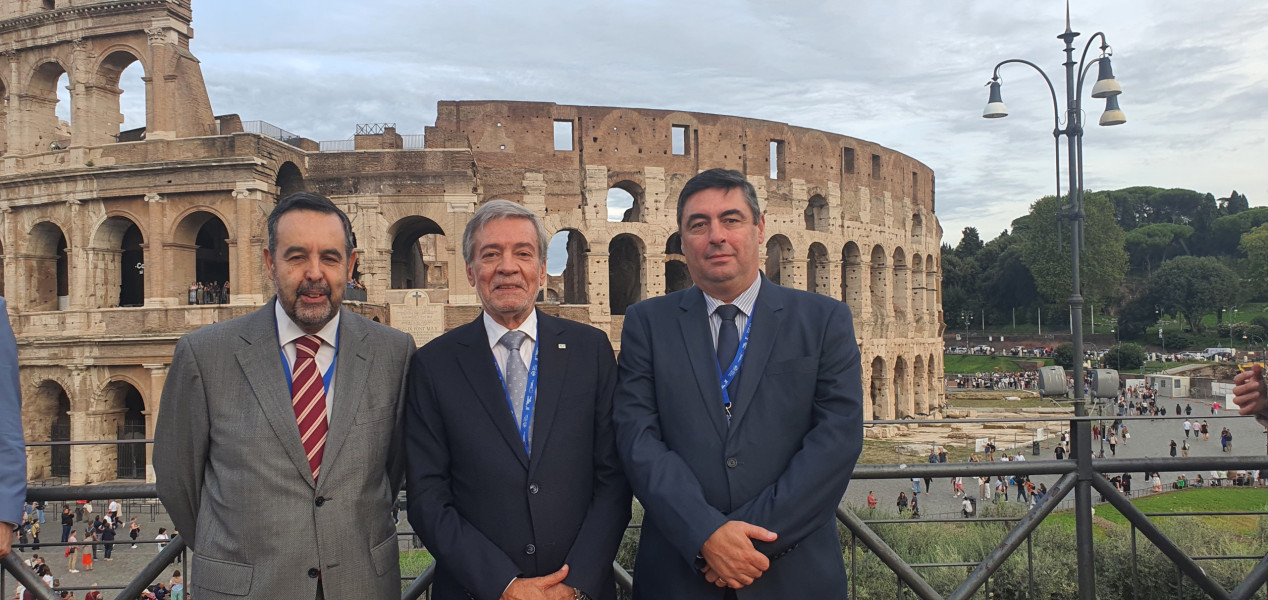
(261, 364)
(475, 358)
(767, 318)
(698, 340)
(351, 370)
(552, 370)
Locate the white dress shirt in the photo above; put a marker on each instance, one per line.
(495, 331)
(288, 332)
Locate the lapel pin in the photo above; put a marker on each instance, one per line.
(563, 346)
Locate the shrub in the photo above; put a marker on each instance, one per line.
(1063, 356)
(1124, 356)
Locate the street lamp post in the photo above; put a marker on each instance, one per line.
(1106, 87)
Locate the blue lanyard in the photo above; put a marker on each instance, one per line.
(733, 370)
(325, 377)
(530, 395)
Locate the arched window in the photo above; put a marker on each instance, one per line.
(122, 93)
(625, 203)
(118, 263)
(677, 277)
(879, 390)
(289, 180)
(418, 254)
(880, 283)
(625, 272)
(779, 253)
(200, 253)
(48, 272)
(129, 458)
(852, 280)
(816, 214)
(901, 284)
(902, 395)
(567, 263)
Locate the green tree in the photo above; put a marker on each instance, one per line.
(1149, 245)
(1063, 355)
(970, 243)
(1193, 286)
(1124, 356)
(1234, 203)
(1254, 244)
(1226, 232)
(1103, 260)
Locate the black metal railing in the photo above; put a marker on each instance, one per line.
(1077, 477)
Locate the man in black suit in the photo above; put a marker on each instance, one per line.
(514, 482)
(738, 415)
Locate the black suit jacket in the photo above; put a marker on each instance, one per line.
(784, 461)
(487, 510)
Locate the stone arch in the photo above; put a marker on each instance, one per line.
(677, 277)
(625, 272)
(902, 284)
(117, 259)
(816, 214)
(880, 283)
(43, 128)
(779, 255)
(46, 418)
(123, 417)
(920, 394)
(106, 96)
(917, 229)
(418, 245)
(575, 276)
(200, 249)
(902, 393)
(818, 276)
(852, 281)
(48, 272)
(879, 391)
(626, 192)
(289, 180)
(918, 288)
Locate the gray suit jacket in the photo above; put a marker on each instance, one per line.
(12, 449)
(233, 474)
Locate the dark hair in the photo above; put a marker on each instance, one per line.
(315, 203)
(721, 179)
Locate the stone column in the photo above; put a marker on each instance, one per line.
(79, 425)
(597, 284)
(657, 207)
(461, 208)
(158, 378)
(160, 290)
(654, 275)
(248, 284)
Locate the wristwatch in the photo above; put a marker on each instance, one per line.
(579, 595)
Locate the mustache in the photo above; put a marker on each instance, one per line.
(316, 286)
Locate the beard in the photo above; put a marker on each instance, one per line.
(313, 317)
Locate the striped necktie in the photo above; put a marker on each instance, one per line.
(308, 398)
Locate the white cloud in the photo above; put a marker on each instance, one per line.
(905, 75)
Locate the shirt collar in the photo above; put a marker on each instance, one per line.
(496, 330)
(288, 331)
(744, 301)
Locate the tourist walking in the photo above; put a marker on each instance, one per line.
(871, 500)
(1184, 448)
(1173, 448)
(902, 502)
(1187, 427)
(71, 552)
(1113, 442)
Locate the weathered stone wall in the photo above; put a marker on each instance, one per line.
(844, 217)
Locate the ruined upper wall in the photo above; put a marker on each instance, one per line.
(507, 138)
(42, 22)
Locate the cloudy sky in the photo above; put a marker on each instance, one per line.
(908, 75)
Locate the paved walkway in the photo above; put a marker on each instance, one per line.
(1150, 439)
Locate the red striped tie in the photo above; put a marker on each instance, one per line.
(308, 398)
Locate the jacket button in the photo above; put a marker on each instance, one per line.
(314, 573)
(732, 462)
(532, 488)
(321, 500)
(530, 549)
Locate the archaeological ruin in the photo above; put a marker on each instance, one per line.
(103, 229)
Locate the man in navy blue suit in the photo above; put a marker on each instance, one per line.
(12, 447)
(739, 417)
(514, 481)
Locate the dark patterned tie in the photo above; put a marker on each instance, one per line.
(516, 375)
(308, 398)
(728, 335)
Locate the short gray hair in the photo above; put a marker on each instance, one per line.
(495, 210)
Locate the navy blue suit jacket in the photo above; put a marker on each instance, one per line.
(486, 509)
(12, 447)
(784, 461)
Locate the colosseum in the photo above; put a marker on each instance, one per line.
(103, 231)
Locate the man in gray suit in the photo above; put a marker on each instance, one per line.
(277, 448)
(12, 448)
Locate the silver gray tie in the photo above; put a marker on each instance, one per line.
(516, 377)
